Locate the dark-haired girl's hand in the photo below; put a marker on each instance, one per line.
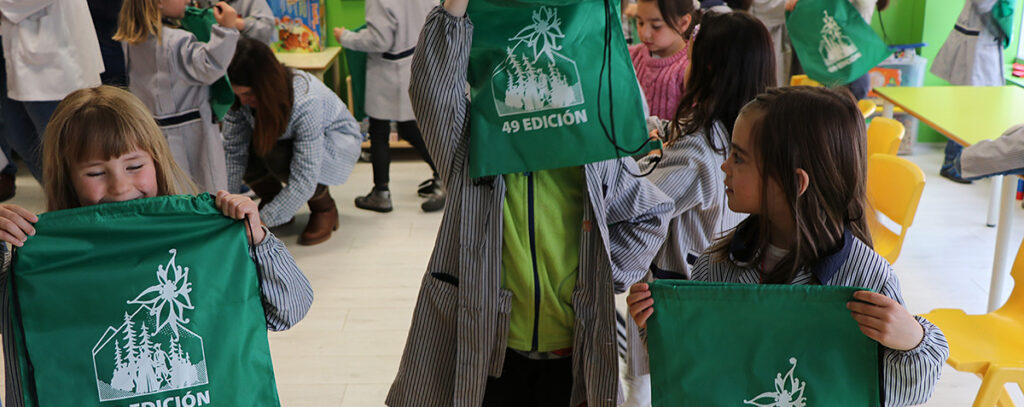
(641, 305)
(239, 207)
(16, 224)
(883, 319)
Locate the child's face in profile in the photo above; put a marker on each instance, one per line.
(173, 8)
(742, 175)
(130, 176)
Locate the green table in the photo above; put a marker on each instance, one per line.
(967, 115)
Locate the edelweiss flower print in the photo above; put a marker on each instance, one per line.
(545, 79)
(147, 355)
(721, 344)
(146, 303)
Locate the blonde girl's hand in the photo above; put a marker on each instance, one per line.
(16, 224)
(790, 4)
(883, 319)
(225, 15)
(238, 207)
(641, 305)
(337, 33)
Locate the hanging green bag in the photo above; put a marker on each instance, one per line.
(544, 92)
(199, 22)
(834, 43)
(720, 344)
(356, 62)
(144, 303)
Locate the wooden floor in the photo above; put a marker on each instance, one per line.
(346, 351)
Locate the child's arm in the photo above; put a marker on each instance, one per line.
(679, 175)
(258, 21)
(637, 216)
(204, 63)
(285, 291)
(237, 136)
(379, 34)
(437, 87)
(910, 375)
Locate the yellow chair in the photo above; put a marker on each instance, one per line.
(867, 107)
(802, 80)
(894, 187)
(884, 136)
(990, 345)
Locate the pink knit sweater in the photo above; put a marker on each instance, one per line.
(660, 78)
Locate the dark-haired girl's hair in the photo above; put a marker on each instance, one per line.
(820, 131)
(255, 66)
(731, 62)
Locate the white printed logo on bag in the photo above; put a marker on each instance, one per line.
(535, 77)
(836, 48)
(789, 391)
(152, 351)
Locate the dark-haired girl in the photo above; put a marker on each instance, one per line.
(732, 62)
(797, 165)
(287, 128)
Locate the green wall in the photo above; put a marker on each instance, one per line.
(930, 21)
(342, 13)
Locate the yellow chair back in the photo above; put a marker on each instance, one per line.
(867, 107)
(802, 80)
(894, 187)
(884, 136)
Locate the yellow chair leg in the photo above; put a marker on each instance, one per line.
(1004, 400)
(993, 390)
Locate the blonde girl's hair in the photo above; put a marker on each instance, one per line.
(103, 122)
(138, 20)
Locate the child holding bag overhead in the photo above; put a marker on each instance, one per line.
(797, 165)
(517, 306)
(171, 72)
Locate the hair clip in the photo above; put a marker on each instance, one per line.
(696, 29)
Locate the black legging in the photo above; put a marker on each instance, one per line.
(380, 147)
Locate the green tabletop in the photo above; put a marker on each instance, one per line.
(964, 114)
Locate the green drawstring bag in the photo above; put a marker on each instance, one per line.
(199, 21)
(834, 43)
(144, 303)
(356, 62)
(551, 85)
(719, 344)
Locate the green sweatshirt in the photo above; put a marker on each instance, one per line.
(543, 217)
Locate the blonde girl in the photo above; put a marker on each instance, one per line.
(797, 166)
(170, 71)
(102, 146)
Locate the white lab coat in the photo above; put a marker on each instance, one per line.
(972, 60)
(994, 156)
(392, 27)
(773, 14)
(50, 47)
